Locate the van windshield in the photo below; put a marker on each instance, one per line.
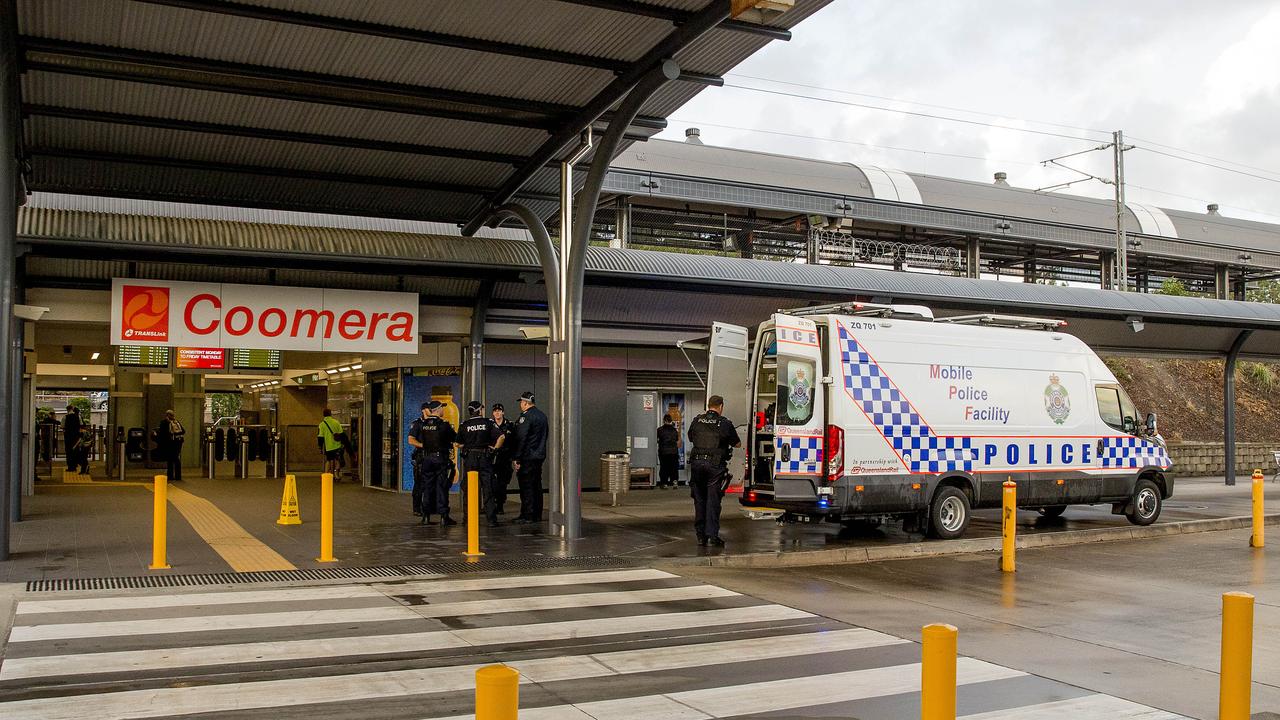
(795, 390)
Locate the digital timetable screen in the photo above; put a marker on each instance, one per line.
(140, 356)
(255, 359)
(186, 358)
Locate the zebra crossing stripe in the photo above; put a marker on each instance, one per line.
(159, 626)
(177, 701)
(344, 647)
(1089, 707)
(772, 696)
(331, 592)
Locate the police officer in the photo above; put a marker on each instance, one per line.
(668, 453)
(502, 458)
(531, 451)
(434, 438)
(713, 437)
(478, 438)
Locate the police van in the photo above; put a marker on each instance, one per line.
(862, 412)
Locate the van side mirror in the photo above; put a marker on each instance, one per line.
(1151, 424)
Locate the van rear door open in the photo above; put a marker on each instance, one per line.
(727, 360)
(800, 409)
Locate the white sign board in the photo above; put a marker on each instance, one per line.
(159, 312)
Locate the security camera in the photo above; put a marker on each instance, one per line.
(29, 312)
(1135, 323)
(537, 332)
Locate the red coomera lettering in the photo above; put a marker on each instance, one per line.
(351, 324)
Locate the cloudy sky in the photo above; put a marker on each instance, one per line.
(1177, 76)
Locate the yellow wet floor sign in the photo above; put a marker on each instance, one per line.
(289, 503)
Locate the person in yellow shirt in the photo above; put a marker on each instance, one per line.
(331, 440)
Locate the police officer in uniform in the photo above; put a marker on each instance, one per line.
(502, 458)
(531, 451)
(478, 438)
(434, 439)
(415, 456)
(668, 453)
(713, 437)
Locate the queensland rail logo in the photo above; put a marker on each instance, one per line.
(144, 313)
(1056, 401)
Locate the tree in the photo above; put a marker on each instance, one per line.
(1267, 291)
(224, 405)
(81, 404)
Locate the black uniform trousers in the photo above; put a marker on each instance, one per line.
(668, 469)
(529, 477)
(706, 484)
(501, 478)
(434, 498)
(481, 463)
(173, 462)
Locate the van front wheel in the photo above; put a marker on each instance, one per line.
(1146, 503)
(949, 513)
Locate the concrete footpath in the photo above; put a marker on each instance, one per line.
(104, 530)
(1138, 620)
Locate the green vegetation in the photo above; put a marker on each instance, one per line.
(81, 404)
(1118, 368)
(1259, 374)
(224, 405)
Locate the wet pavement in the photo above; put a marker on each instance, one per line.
(104, 530)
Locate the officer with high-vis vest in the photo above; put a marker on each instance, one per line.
(432, 440)
(713, 437)
(479, 438)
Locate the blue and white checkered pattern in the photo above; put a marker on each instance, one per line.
(890, 412)
(805, 454)
(1132, 452)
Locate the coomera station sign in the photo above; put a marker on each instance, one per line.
(216, 315)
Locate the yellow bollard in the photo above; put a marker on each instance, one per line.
(1008, 526)
(160, 525)
(497, 693)
(326, 519)
(1259, 531)
(473, 515)
(938, 673)
(1237, 656)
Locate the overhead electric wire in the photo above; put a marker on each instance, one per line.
(1202, 200)
(1208, 164)
(912, 113)
(1198, 154)
(921, 104)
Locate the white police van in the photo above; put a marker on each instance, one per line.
(874, 413)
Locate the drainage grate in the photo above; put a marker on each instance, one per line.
(334, 573)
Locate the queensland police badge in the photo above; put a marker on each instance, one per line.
(1056, 402)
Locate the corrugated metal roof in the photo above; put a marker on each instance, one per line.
(121, 235)
(751, 168)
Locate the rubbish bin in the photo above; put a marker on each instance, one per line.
(615, 473)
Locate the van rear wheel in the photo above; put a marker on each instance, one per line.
(948, 513)
(1146, 503)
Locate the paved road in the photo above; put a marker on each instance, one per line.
(1137, 619)
(611, 645)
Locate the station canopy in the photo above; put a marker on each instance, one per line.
(417, 109)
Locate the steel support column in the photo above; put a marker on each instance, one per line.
(9, 130)
(1222, 282)
(475, 353)
(571, 415)
(1229, 405)
(549, 258)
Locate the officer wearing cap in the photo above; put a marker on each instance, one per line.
(713, 437)
(478, 438)
(433, 442)
(502, 458)
(531, 451)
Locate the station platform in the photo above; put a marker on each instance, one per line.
(102, 529)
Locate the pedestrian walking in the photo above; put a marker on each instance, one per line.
(668, 453)
(169, 438)
(531, 451)
(478, 439)
(433, 439)
(713, 437)
(71, 437)
(503, 457)
(330, 438)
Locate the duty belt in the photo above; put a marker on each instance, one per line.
(712, 456)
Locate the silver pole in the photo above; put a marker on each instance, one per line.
(8, 242)
(1122, 243)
